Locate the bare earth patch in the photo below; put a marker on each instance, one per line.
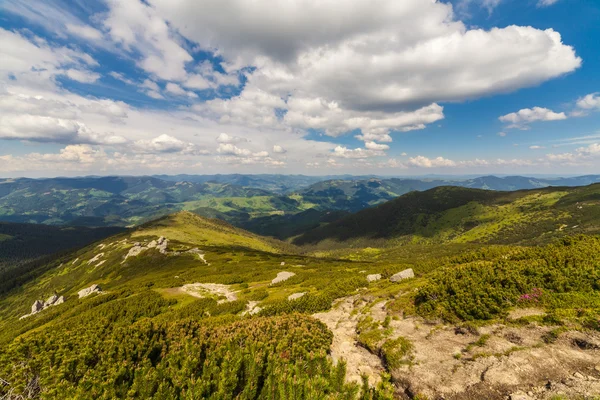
(202, 290)
(342, 323)
(495, 362)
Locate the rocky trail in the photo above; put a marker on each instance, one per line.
(342, 322)
(498, 361)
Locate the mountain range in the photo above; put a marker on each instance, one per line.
(262, 203)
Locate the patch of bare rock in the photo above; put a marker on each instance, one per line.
(160, 244)
(406, 274)
(342, 321)
(282, 276)
(296, 296)
(494, 362)
(89, 290)
(202, 290)
(40, 305)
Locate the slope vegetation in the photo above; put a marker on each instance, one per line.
(461, 215)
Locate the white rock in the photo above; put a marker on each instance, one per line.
(51, 301)
(161, 244)
(37, 307)
(282, 263)
(282, 276)
(96, 258)
(296, 296)
(406, 274)
(87, 291)
(373, 277)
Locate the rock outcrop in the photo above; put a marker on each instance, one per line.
(296, 296)
(160, 244)
(282, 276)
(40, 305)
(87, 291)
(373, 277)
(406, 274)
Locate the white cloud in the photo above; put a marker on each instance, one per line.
(536, 147)
(137, 27)
(522, 118)
(502, 134)
(225, 138)
(82, 76)
(231, 149)
(279, 150)
(84, 31)
(376, 146)
(589, 102)
(37, 61)
(546, 3)
(166, 144)
(424, 162)
(373, 56)
(344, 152)
(178, 90)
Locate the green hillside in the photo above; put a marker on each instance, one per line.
(191, 307)
(461, 215)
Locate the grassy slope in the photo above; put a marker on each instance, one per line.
(460, 215)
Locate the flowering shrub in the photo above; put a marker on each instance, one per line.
(534, 296)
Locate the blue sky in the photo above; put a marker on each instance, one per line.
(317, 87)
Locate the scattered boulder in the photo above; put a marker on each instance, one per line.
(37, 306)
(40, 305)
(282, 263)
(406, 274)
(51, 300)
(87, 291)
(161, 244)
(252, 308)
(296, 296)
(282, 276)
(373, 277)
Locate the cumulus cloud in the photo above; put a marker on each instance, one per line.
(225, 138)
(589, 102)
(522, 118)
(166, 144)
(279, 150)
(344, 152)
(231, 149)
(364, 58)
(424, 162)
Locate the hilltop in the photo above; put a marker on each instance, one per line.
(463, 215)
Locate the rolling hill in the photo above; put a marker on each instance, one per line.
(462, 215)
(189, 307)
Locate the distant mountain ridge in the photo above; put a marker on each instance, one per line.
(260, 203)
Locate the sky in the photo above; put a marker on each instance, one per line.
(317, 87)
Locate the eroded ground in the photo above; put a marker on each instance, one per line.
(498, 361)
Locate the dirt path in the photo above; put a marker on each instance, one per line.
(342, 323)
